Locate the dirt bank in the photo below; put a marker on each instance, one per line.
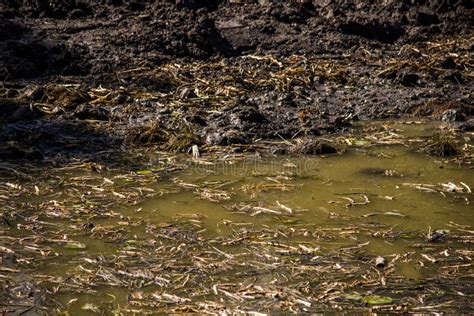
(219, 72)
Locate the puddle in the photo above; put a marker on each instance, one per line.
(249, 233)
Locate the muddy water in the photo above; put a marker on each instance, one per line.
(320, 189)
(388, 188)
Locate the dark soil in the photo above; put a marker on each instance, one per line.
(216, 72)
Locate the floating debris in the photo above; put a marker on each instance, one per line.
(380, 262)
(166, 233)
(74, 245)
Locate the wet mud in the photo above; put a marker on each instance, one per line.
(178, 73)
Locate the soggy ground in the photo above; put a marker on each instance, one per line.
(103, 104)
(78, 76)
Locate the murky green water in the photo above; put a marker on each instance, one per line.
(383, 200)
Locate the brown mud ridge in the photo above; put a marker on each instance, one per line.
(82, 77)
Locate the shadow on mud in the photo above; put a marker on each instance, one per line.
(26, 133)
(56, 141)
(26, 55)
(29, 136)
(374, 30)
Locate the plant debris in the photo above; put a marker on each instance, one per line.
(84, 236)
(236, 157)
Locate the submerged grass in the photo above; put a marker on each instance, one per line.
(441, 145)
